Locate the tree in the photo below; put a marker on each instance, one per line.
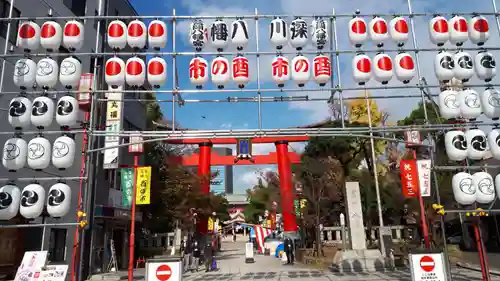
(262, 196)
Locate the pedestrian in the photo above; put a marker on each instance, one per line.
(188, 249)
(208, 255)
(196, 256)
(234, 235)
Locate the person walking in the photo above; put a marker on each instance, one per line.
(208, 255)
(196, 256)
(187, 254)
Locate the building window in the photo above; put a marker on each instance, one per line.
(76, 6)
(4, 13)
(57, 244)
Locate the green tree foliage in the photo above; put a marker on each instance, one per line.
(262, 196)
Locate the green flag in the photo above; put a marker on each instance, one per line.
(127, 181)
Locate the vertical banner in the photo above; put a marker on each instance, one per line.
(143, 193)
(113, 125)
(409, 177)
(127, 180)
(84, 88)
(424, 177)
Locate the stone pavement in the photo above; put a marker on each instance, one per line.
(232, 267)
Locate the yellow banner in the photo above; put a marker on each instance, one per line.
(143, 193)
(210, 224)
(114, 106)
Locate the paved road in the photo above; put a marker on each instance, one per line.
(232, 267)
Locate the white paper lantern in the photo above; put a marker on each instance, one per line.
(322, 70)
(32, 201)
(455, 145)
(485, 66)
(449, 104)
(10, 198)
(221, 74)
(485, 190)
(444, 66)
(382, 68)
(438, 30)
(240, 73)
(219, 34)
(458, 30)
(63, 152)
(137, 34)
(51, 36)
(298, 33)
(497, 184)
(398, 29)
(19, 112)
(14, 154)
(117, 35)
(198, 72)
(476, 144)
(464, 190)
(28, 36)
(361, 68)
(278, 33)
(198, 35)
(358, 32)
(490, 103)
(70, 73)
(25, 73)
(301, 70)
(479, 30)
(47, 72)
(74, 35)
(404, 67)
(470, 104)
(280, 70)
(378, 31)
(157, 31)
(135, 72)
(239, 34)
(67, 111)
(39, 153)
(319, 33)
(42, 112)
(463, 66)
(494, 143)
(115, 72)
(157, 72)
(58, 200)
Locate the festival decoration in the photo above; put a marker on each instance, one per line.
(361, 68)
(32, 201)
(39, 153)
(115, 72)
(28, 36)
(67, 111)
(455, 145)
(479, 30)
(70, 73)
(298, 33)
(485, 191)
(221, 74)
(19, 112)
(157, 72)
(278, 32)
(319, 33)
(240, 73)
(25, 73)
(47, 72)
(404, 67)
(63, 152)
(198, 35)
(382, 68)
(198, 72)
(239, 34)
(378, 31)
(449, 104)
(444, 66)
(219, 34)
(73, 37)
(280, 70)
(42, 112)
(463, 63)
(490, 103)
(485, 66)
(10, 198)
(398, 30)
(58, 200)
(438, 30)
(117, 35)
(457, 26)
(301, 70)
(476, 144)
(137, 35)
(14, 153)
(157, 31)
(357, 31)
(494, 143)
(464, 191)
(135, 73)
(322, 70)
(470, 104)
(51, 36)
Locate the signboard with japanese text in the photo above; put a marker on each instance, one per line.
(138, 147)
(31, 265)
(424, 177)
(113, 125)
(83, 96)
(409, 177)
(53, 273)
(412, 138)
(428, 267)
(127, 181)
(143, 192)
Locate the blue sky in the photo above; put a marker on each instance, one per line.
(281, 115)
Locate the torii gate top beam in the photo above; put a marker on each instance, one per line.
(258, 140)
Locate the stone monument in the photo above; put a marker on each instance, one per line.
(357, 258)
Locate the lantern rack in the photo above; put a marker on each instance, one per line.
(42, 179)
(2, 226)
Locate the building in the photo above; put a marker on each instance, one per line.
(223, 181)
(112, 219)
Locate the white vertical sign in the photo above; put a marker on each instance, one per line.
(424, 177)
(114, 114)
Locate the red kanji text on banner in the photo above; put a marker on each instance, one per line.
(409, 177)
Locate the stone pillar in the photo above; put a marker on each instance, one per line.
(355, 216)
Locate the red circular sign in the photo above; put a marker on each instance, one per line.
(155, 68)
(359, 27)
(134, 68)
(72, 29)
(27, 31)
(48, 30)
(163, 272)
(113, 68)
(427, 263)
(440, 26)
(156, 30)
(401, 26)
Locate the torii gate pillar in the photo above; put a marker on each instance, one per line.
(204, 175)
(286, 187)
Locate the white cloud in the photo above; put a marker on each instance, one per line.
(316, 111)
(249, 177)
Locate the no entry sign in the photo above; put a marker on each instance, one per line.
(163, 269)
(163, 272)
(428, 267)
(427, 263)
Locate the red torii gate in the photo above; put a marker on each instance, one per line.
(282, 157)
